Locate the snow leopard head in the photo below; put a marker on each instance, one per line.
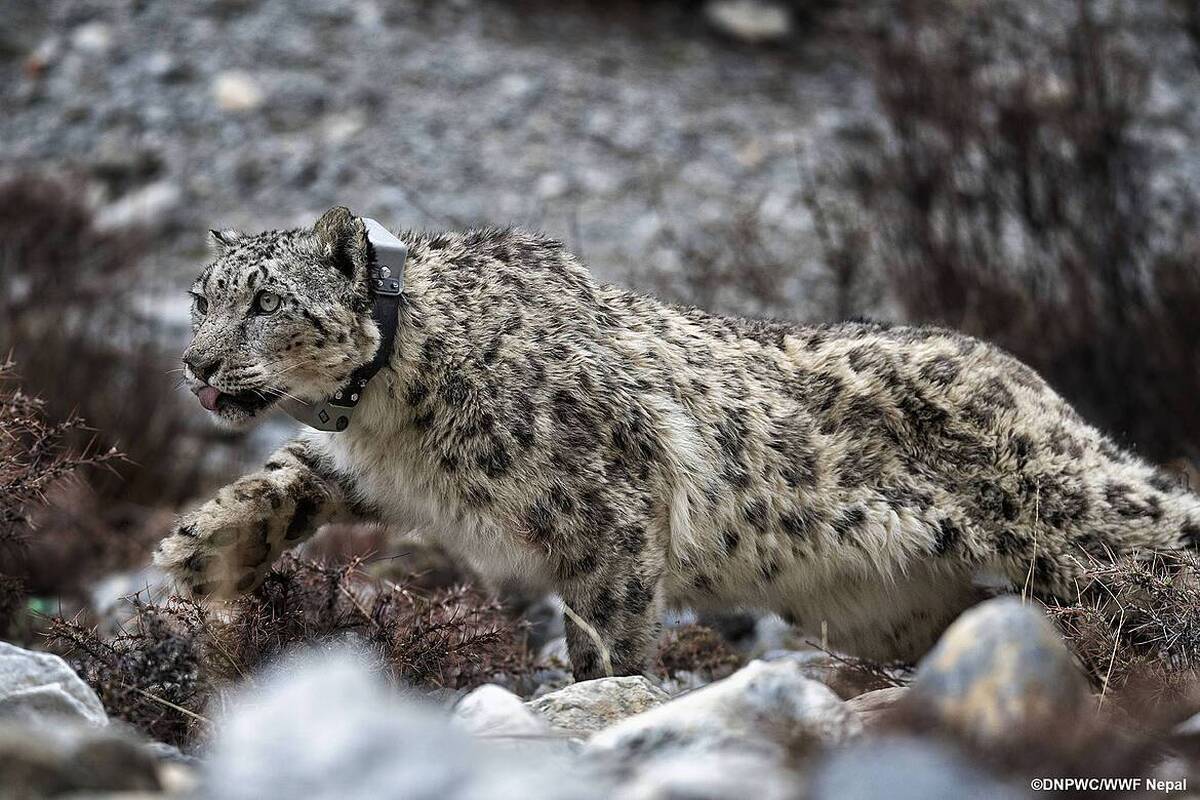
(280, 314)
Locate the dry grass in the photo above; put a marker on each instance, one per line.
(172, 664)
(1135, 627)
(36, 458)
(1015, 203)
(73, 313)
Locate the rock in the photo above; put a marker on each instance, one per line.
(750, 21)
(110, 597)
(72, 756)
(492, 711)
(166, 66)
(684, 680)
(552, 185)
(723, 776)
(872, 706)
(554, 653)
(903, 769)
(237, 91)
(549, 679)
(1000, 669)
(763, 707)
(92, 37)
(544, 617)
(146, 207)
(1189, 728)
(324, 728)
(842, 677)
(297, 101)
(34, 686)
(593, 705)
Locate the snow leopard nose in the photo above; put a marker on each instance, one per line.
(200, 368)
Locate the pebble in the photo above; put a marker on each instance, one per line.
(237, 91)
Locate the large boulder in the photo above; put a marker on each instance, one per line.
(1000, 670)
(763, 707)
(903, 769)
(590, 706)
(326, 728)
(40, 687)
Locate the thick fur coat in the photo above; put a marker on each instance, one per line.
(627, 453)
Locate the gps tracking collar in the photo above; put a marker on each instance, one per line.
(386, 277)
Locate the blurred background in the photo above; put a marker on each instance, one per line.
(1023, 170)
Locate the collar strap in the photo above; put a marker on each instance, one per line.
(386, 278)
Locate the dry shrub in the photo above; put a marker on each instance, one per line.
(383, 554)
(449, 638)
(698, 649)
(36, 457)
(74, 312)
(173, 661)
(1135, 627)
(1016, 204)
(151, 675)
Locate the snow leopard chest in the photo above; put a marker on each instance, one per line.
(393, 476)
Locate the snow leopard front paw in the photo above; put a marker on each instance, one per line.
(226, 547)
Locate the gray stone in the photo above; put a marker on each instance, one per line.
(148, 207)
(903, 769)
(720, 776)
(1190, 727)
(1001, 668)
(325, 728)
(73, 757)
(763, 707)
(111, 597)
(750, 20)
(841, 676)
(590, 706)
(554, 653)
(36, 686)
(871, 707)
(92, 37)
(237, 91)
(493, 711)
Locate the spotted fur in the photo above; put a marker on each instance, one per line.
(627, 453)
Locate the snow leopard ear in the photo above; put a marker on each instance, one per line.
(219, 242)
(343, 238)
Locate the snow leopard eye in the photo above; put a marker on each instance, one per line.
(266, 302)
(200, 303)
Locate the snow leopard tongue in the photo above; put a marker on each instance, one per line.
(208, 397)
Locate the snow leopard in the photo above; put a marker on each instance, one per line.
(631, 455)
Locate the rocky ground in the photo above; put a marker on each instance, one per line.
(602, 127)
(998, 702)
(631, 130)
